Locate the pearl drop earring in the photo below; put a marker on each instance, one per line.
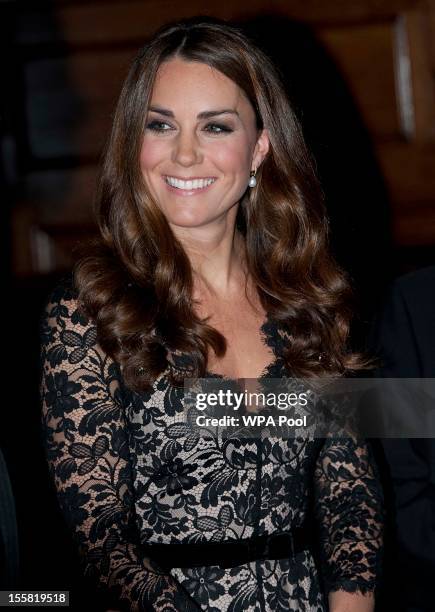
(252, 179)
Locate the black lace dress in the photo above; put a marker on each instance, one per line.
(127, 473)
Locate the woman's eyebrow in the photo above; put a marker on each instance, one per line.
(203, 115)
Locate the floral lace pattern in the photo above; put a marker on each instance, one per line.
(128, 471)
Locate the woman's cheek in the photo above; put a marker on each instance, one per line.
(151, 152)
(233, 155)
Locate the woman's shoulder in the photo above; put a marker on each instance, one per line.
(63, 290)
(70, 345)
(62, 302)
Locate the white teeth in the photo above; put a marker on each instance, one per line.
(189, 185)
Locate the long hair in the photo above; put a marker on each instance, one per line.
(136, 281)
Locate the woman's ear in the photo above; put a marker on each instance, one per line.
(261, 148)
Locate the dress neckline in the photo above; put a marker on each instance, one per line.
(270, 336)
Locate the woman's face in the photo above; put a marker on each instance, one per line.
(200, 143)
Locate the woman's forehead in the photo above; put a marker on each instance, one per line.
(194, 85)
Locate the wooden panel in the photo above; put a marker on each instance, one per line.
(42, 249)
(56, 247)
(102, 22)
(409, 172)
(71, 100)
(365, 57)
(61, 196)
(422, 76)
(414, 225)
(431, 27)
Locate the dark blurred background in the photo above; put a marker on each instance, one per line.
(361, 77)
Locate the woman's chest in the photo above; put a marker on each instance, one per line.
(247, 354)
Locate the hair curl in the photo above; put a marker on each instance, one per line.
(136, 280)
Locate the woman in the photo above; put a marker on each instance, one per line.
(209, 210)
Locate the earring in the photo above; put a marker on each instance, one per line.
(252, 179)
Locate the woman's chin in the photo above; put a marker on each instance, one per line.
(186, 220)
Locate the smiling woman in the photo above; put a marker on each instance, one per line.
(212, 262)
(211, 127)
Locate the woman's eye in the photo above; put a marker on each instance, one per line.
(217, 128)
(212, 128)
(157, 126)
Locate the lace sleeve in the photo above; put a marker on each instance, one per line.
(349, 503)
(86, 445)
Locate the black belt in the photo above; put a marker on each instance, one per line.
(280, 545)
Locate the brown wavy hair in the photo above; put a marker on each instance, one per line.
(136, 281)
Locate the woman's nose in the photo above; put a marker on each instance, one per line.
(187, 150)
